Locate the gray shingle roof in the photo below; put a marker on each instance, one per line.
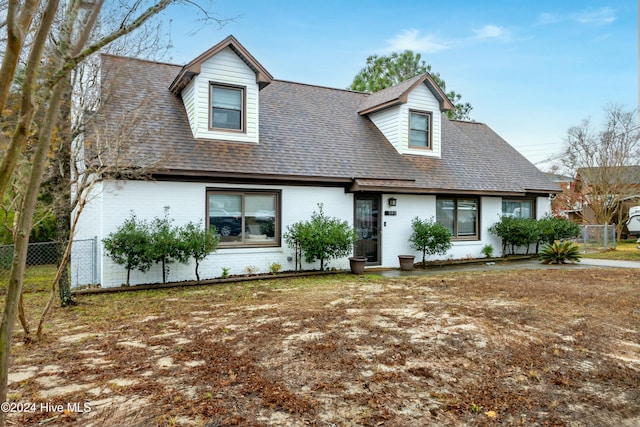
(307, 133)
(398, 94)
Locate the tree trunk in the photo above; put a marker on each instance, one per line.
(25, 223)
(61, 185)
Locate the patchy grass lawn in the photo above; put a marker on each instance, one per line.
(549, 347)
(623, 251)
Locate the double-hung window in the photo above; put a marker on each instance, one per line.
(460, 216)
(518, 208)
(227, 107)
(419, 129)
(244, 217)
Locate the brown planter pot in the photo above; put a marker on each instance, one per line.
(406, 262)
(357, 264)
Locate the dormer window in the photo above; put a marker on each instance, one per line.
(419, 130)
(227, 107)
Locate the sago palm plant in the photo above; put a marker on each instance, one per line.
(560, 253)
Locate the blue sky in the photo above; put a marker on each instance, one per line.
(530, 69)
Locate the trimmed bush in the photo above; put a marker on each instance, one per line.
(429, 237)
(321, 239)
(197, 242)
(524, 232)
(130, 245)
(515, 233)
(137, 244)
(553, 229)
(165, 247)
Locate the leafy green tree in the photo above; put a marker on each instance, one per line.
(165, 247)
(321, 238)
(293, 236)
(130, 245)
(197, 242)
(429, 237)
(382, 72)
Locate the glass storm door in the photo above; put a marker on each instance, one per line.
(367, 223)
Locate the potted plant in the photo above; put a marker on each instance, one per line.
(357, 263)
(406, 262)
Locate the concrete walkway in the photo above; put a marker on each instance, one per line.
(609, 263)
(528, 264)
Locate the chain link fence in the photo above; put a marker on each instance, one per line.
(595, 238)
(83, 263)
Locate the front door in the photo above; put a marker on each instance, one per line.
(367, 222)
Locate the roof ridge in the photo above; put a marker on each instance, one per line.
(133, 58)
(320, 86)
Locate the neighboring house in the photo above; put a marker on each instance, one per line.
(568, 203)
(235, 148)
(607, 193)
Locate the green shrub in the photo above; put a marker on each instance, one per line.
(130, 245)
(197, 242)
(487, 251)
(560, 253)
(137, 244)
(165, 247)
(516, 233)
(553, 229)
(320, 239)
(429, 237)
(293, 236)
(275, 267)
(524, 232)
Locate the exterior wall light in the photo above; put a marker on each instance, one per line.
(392, 201)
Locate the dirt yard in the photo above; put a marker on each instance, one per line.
(557, 347)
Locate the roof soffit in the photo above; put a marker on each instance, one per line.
(263, 77)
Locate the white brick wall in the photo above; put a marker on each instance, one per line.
(187, 203)
(113, 205)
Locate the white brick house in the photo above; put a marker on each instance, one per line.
(236, 148)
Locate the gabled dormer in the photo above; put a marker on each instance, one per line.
(220, 91)
(409, 115)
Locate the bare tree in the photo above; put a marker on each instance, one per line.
(606, 163)
(84, 94)
(74, 45)
(108, 155)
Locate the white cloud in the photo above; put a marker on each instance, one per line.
(491, 32)
(597, 17)
(603, 16)
(412, 40)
